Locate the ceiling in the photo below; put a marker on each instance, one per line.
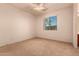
(28, 7)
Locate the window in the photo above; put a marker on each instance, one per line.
(51, 23)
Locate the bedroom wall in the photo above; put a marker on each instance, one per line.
(64, 25)
(77, 17)
(15, 25)
(75, 24)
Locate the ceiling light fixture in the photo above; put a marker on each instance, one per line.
(39, 7)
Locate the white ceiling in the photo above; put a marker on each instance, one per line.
(51, 6)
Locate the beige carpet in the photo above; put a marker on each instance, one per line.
(39, 47)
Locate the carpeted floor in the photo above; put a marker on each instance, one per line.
(39, 47)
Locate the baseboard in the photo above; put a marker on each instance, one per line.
(53, 40)
(16, 42)
(34, 38)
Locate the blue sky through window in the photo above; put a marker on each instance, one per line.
(52, 20)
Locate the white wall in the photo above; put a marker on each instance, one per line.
(64, 25)
(15, 25)
(75, 25)
(77, 17)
